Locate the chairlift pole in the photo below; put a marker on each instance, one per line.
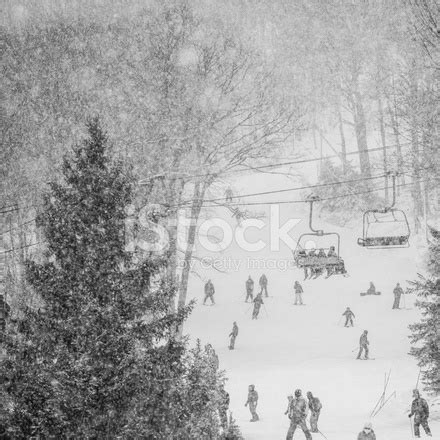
(312, 199)
(393, 176)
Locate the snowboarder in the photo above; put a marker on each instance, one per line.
(233, 335)
(398, 291)
(297, 416)
(372, 289)
(249, 289)
(224, 406)
(263, 284)
(349, 315)
(252, 400)
(298, 293)
(257, 305)
(209, 292)
(315, 409)
(367, 433)
(420, 411)
(363, 344)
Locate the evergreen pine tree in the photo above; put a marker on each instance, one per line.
(426, 333)
(99, 359)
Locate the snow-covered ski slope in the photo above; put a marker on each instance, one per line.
(307, 347)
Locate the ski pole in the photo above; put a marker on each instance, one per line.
(381, 398)
(266, 310)
(246, 311)
(412, 428)
(418, 377)
(386, 401)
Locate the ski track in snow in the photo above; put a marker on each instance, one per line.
(307, 347)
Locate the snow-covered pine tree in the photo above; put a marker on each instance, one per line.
(426, 333)
(99, 359)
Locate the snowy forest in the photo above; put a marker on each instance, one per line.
(164, 162)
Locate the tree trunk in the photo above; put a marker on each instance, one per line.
(199, 191)
(416, 187)
(383, 138)
(175, 197)
(360, 127)
(392, 109)
(343, 143)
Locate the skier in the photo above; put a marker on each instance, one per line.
(233, 335)
(420, 411)
(367, 433)
(257, 305)
(263, 284)
(209, 292)
(297, 416)
(363, 344)
(249, 289)
(223, 406)
(398, 291)
(298, 293)
(349, 315)
(252, 400)
(315, 408)
(372, 289)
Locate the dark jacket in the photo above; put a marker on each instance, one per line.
(364, 436)
(298, 409)
(363, 341)
(234, 331)
(252, 397)
(398, 291)
(348, 313)
(420, 407)
(315, 405)
(298, 288)
(209, 288)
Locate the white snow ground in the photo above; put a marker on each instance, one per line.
(307, 347)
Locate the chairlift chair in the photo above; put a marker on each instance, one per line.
(385, 228)
(334, 264)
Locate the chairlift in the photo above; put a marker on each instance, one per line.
(385, 228)
(314, 264)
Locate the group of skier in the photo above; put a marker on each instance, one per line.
(258, 300)
(250, 287)
(298, 406)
